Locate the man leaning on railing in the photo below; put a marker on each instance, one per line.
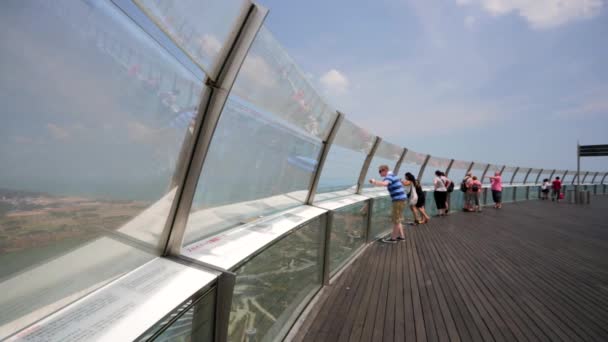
(395, 189)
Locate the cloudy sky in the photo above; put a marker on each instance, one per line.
(500, 81)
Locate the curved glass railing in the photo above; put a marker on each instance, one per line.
(169, 173)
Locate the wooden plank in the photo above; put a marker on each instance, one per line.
(429, 321)
(388, 333)
(399, 290)
(359, 303)
(377, 297)
(465, 327)
(421, 334)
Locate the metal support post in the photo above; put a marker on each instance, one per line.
(578, 166)
(485, 172)
(366, 164)
(323, 156)
(212, 103)
(585, 177)
(470, 167)
(564, 175)
(400, 161)
(447, 171)
(538, 176)
(370, 210)
(593, 179)
(225, 289)
(552, 173)
(421, 172)
(326, 251)
(513, 176)
(527, 174)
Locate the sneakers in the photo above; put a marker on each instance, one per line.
(388, 239)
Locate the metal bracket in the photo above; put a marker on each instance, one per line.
(323, 156)
(421, 172)
(400, 161)
(366, 164)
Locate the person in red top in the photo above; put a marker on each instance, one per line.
(557, 188)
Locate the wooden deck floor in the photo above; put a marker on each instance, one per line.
(532, 271)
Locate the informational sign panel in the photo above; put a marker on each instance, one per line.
(593, 150)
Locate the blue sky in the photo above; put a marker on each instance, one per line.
(499, 81)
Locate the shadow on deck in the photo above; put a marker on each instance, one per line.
(532, 271)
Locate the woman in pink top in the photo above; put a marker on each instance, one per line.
(496, 189)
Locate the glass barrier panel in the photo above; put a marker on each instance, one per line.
(507, 195)
(520, 176)
(532, 176)
(193, 321)
(458, 171)
(434, 164)
(456, 200)
(89, 145)
(486, 197)
(386, 154)
(412, 162)
(507, 174)
(429, 204)
(568, 178)
(520, 193)
(381, 217)
(345, 159)
(280, 163)
(274, 287)
(534, 192)
(201, 28)
(479, 168)
(347, 234)
(271, 80)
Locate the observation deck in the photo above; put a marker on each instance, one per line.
(532, 271)
(167, 173)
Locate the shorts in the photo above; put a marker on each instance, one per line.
(497, 196)
(397, 214)
(545, 191)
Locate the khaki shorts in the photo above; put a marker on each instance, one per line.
(397, 216)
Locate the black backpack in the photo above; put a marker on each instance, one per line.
(451, 186)
(475, 188)
(463, 185)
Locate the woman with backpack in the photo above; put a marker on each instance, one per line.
(417, 198)
(441, 183)
(475, 186)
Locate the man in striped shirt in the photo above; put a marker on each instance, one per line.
(395, 188)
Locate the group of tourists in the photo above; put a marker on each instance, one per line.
(408, 191)
(555, 187)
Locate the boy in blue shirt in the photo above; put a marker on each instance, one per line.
(395, 189)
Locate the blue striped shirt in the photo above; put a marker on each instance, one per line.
(395, 188)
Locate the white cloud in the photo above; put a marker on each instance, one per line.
(541, 14)
(210, 44)
(335, 82)
(469, 22)
(258, 71)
